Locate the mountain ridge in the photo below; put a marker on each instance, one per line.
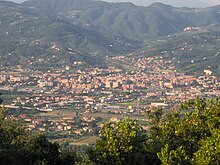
(94, 28)
(186, 3)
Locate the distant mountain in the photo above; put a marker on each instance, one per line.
(130, 21)
(176, 3)
(63, 31)
(185, 3)
(193, 50)
(16, 1)
(32, 34)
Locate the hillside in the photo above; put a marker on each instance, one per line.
(128, 20)
(53, 32)
(189, 51)
(28, 35)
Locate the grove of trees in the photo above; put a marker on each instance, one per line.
(19, 147)
(189, 135)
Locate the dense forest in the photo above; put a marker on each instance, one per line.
(189, 134)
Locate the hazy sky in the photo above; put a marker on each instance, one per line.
(179, 3)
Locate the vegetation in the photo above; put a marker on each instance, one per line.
(189, 135)
(192, 137)
(129, 21)
(182, 50)
(120, 143)
(46, 34)
(18, 146)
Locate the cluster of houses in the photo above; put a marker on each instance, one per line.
(105, 91)
(70, 125)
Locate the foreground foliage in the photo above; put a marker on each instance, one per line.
(120, 143)
(19, 147)
(189, 135)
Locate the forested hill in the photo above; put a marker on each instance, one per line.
(64, 31)
(131, 21)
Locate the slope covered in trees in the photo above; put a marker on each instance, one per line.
(40, 33)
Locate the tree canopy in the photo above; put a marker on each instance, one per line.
(191, 135)
(120, 143)
(188, 135)
(20, 147)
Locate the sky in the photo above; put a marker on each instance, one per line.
(176, 3)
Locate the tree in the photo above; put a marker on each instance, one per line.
(154, 142)
(43, 150)
(120, 143)
(1, 99)
(208, 152)
(189, 135)
(13, 138)
(20, 147)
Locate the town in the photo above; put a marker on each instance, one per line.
(74, 103)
